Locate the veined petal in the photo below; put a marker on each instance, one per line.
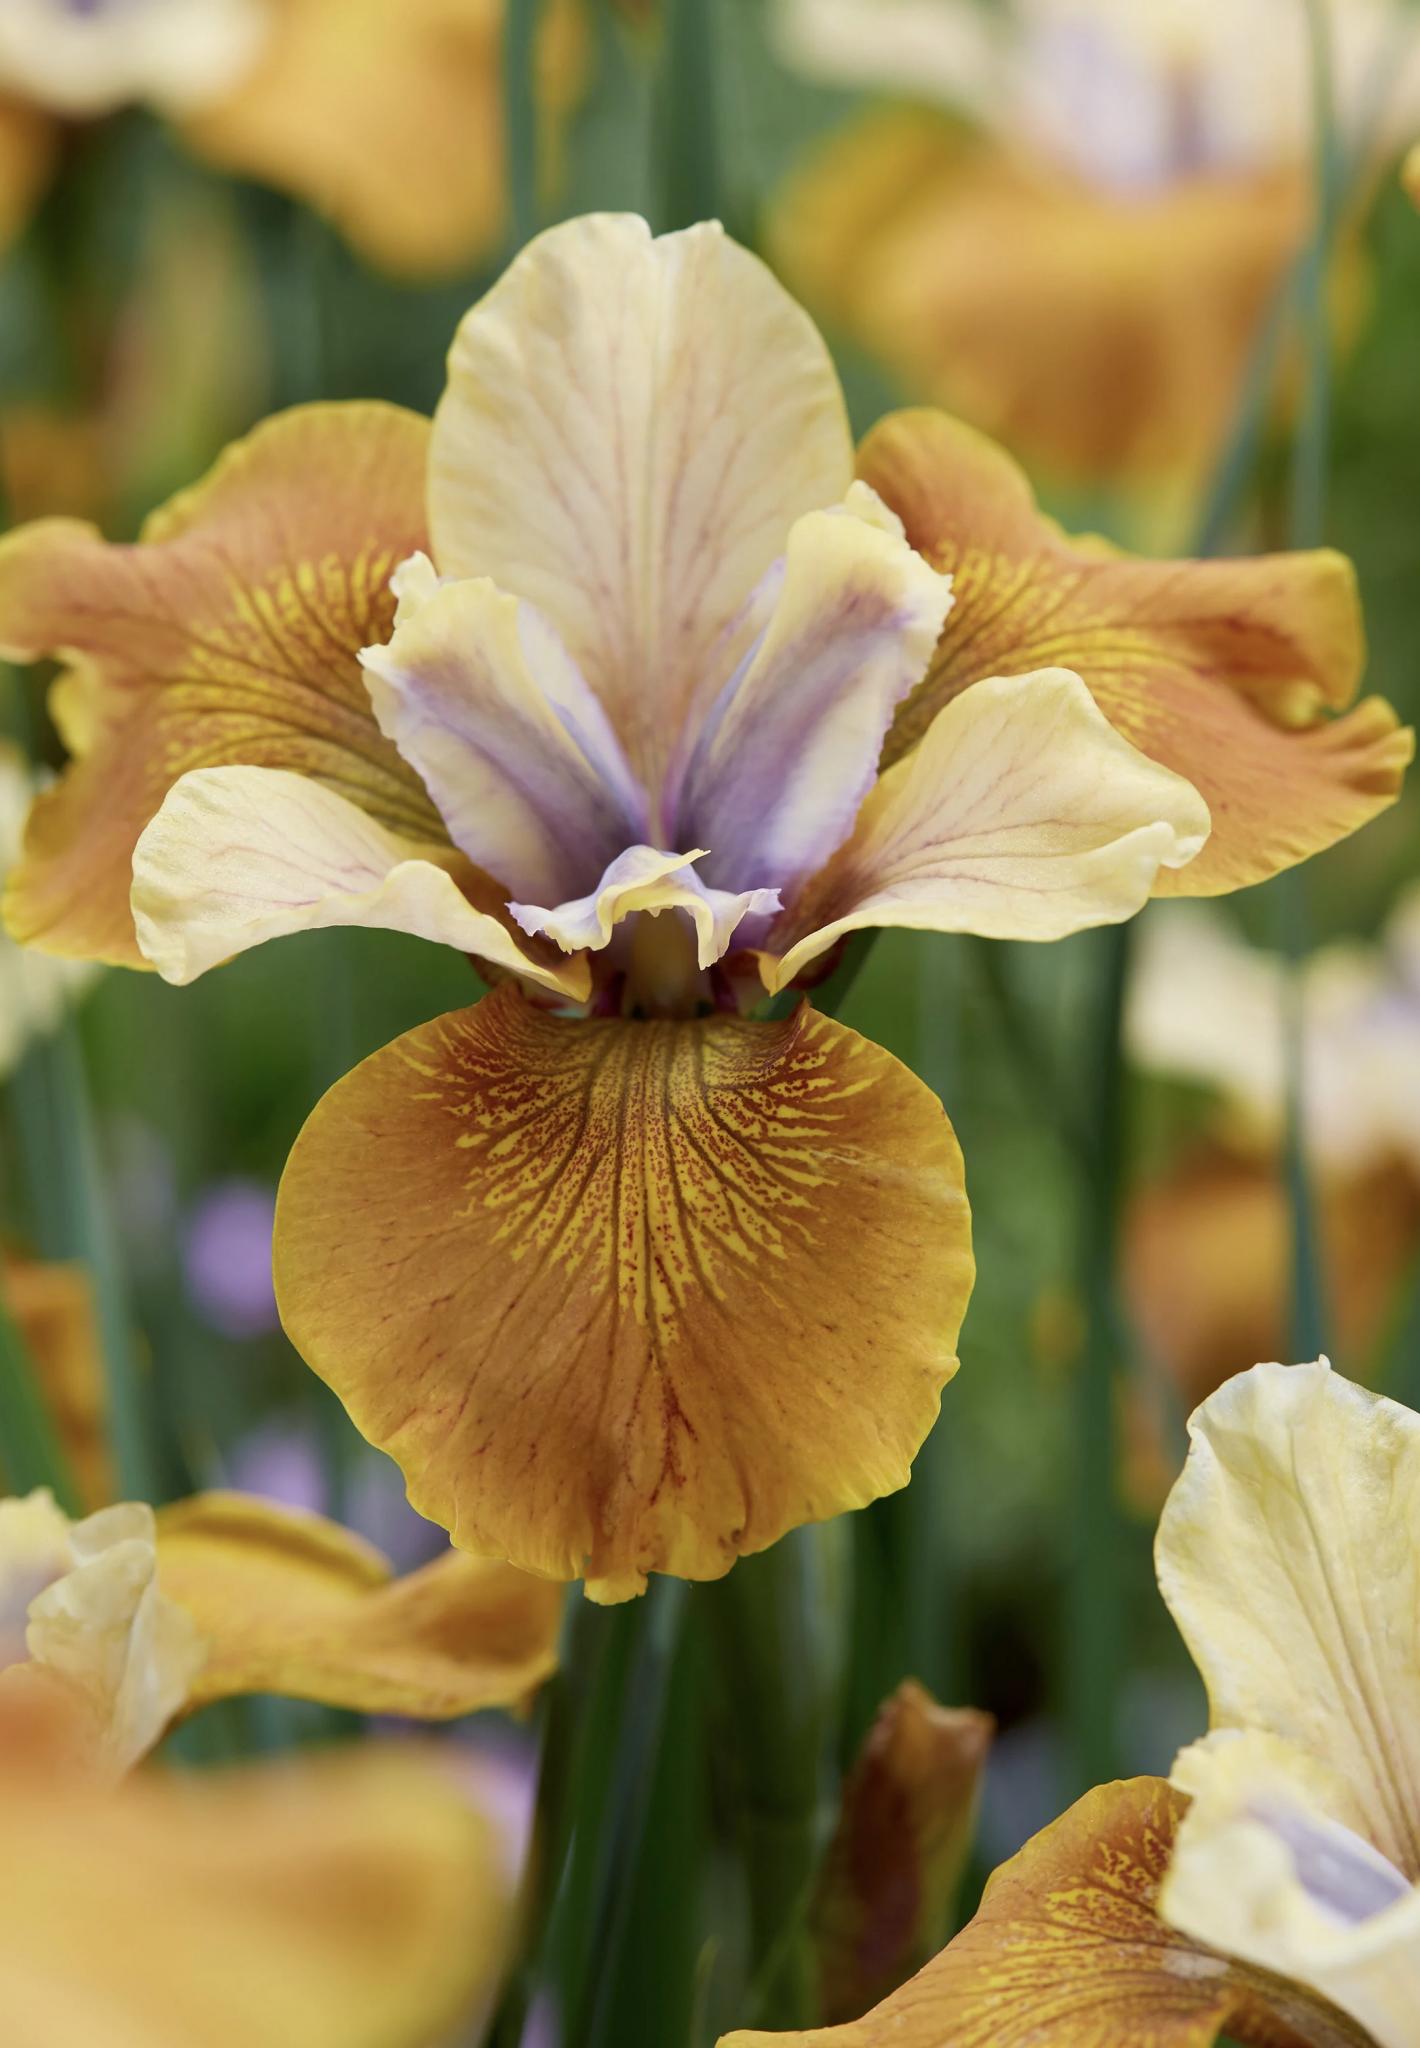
(1068, 1951)
(1286, 1553)
(1227, 672)
(630, 428)
(354, 1901)
(643, 878)
(290, 1603)
(885, 1892)
(1265, 1874)
(236, 856)
(590, 1284)
(229, 634)
(776, 782)
(1021, 815)
(478, 693)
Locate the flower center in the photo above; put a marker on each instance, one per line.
(663, 977)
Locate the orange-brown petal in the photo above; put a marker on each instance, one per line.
(228, 634)
(1068, 1951)
(28, 146)
(291, 1603)
(628, 1297)
(1102, 337)
(889, 1878)
(1228, 672)
(54, 1308)
(390, 120)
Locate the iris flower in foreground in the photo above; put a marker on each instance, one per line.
(131, 1620)
(1271, 1890)
(624, 1278)
(348, 1901)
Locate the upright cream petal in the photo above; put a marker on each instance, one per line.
(630, 428)
(81, 61)
(1022, 814)
(236, 856)
(1289, 1555)
(102, 1627)
(480, 696)
(1261, 1872)
(643, 879)
(791, 751)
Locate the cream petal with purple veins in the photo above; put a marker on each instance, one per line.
(1021, 814)
(481, 697)
(644, 879)
(236, 856)
(792, 749)
(631, 427)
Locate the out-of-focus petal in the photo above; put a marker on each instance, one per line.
(1022, 814)
(229, 634)
(28, 147)
(643, 879)
(478, 693)
(85, 61)
(236, 856)
(904, 1832)
(1227, 672)
(389, 120)
(291, 1603)
(1068, 1951)
(53, 1306)
(629, 1297)
(355, 1901)
(630, 428)
(1286, 1553)
(1265, 1873)
(1103, 336)
(788, 756)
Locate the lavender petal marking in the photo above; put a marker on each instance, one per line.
(1336, 1869)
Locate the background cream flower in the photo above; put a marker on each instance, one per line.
(88, 59)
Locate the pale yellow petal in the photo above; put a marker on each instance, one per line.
(1262, 1872)
(1289, 1555)
(644, 879)
(104, 1628)
(630, 428)
(1022, 814)
(236, 856)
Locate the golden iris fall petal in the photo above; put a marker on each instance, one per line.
(629, 1297)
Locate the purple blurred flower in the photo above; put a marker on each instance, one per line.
(281, 1461)
(227, 1258)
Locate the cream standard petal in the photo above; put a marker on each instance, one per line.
(236, 856)
(790, 753)
(1022, 814)
(630, 428)
(1289, 1555)
(1261, 1872)
(481, 697)
(644, 879)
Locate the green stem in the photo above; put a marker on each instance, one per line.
(63, 1167)
(774, 1613)
(520, 27)
(30, 1451)
(1094, 1620)
(688, 152)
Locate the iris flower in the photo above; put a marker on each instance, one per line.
(348, 1901)
(1271, 1890)
(1208, 1237)
(387, 119)
(131, 1620)
(1082, 264)
(624, 1278)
